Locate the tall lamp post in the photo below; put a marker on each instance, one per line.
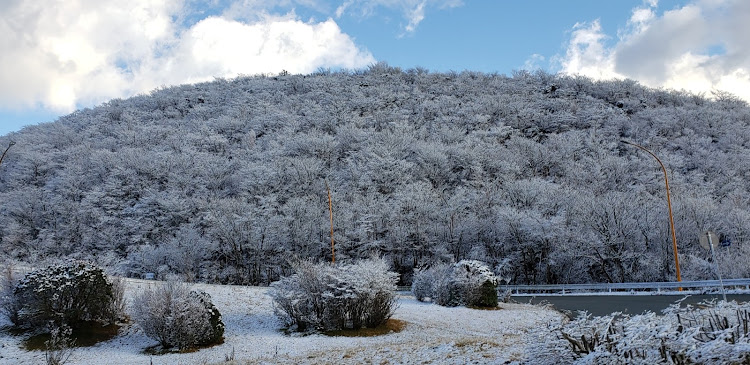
(669, 205)
(330, 210)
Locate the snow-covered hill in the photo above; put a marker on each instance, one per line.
(223, 182)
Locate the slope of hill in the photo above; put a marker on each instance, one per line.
(225, 181)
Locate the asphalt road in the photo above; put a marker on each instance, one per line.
(635, 304)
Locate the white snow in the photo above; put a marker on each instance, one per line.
(433, 334)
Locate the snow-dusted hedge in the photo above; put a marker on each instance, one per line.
(64, 294)
(467, 282)
(178, 317)
(332, 297)
(710, 333)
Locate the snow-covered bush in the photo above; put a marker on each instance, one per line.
(59, 347)
(475, 283)
(707, 334)
(8, 305)
(431, 282)
(467, 282)
(421, 285)
(117, 305)
(178, 317)
(64, 294)
(327, 297)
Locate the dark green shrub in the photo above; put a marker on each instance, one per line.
(65, 294)
(487, 295)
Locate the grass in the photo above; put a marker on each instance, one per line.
(484, 308)
(480, 343)
(85, 334)
(390, 326)
(159, 350)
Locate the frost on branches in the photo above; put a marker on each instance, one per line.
(326, 297)
(710, 333)
(64, 294)
(467, 282)
(178, 317)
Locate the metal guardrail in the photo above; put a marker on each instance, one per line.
(610, 287)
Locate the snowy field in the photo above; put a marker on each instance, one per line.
(434, 334)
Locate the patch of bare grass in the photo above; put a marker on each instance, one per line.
(390, 326)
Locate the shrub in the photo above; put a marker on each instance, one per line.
(325, 297)
(468, 282)
(59, 347)
(421, 285)
(9, 306)
(178, 317)
(475, 283)
(65, 295)
(707, 334)
(117, 305)
(432, 282)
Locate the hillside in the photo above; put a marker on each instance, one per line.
(226, 181)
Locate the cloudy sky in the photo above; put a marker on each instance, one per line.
(60, 55)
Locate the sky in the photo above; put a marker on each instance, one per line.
(57, 56)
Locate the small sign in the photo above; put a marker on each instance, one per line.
(708, 239)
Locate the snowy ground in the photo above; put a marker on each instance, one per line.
(433, 334)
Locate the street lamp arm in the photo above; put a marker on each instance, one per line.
(649, 152)
(669, 206)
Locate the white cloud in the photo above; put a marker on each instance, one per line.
(533, 63)
(60, 55)
(677, 49)
(587, 55)
(413, 11)
(415, 17)
(223, 47)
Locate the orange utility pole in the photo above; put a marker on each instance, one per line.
(330, 211)
(669, 205)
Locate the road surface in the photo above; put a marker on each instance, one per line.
(635, 304)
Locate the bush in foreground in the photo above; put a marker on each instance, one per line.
(327, 297)
(178, 317)
(65, 295)
(9, 307)
(710, 333)
(467, 282)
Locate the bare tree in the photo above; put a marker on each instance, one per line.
(10, 144)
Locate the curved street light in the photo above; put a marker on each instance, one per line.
(669, 205)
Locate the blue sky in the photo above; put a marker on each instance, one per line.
(59, 56)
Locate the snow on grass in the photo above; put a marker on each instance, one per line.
(433, 334)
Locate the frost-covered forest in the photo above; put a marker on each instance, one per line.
(226, 181)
